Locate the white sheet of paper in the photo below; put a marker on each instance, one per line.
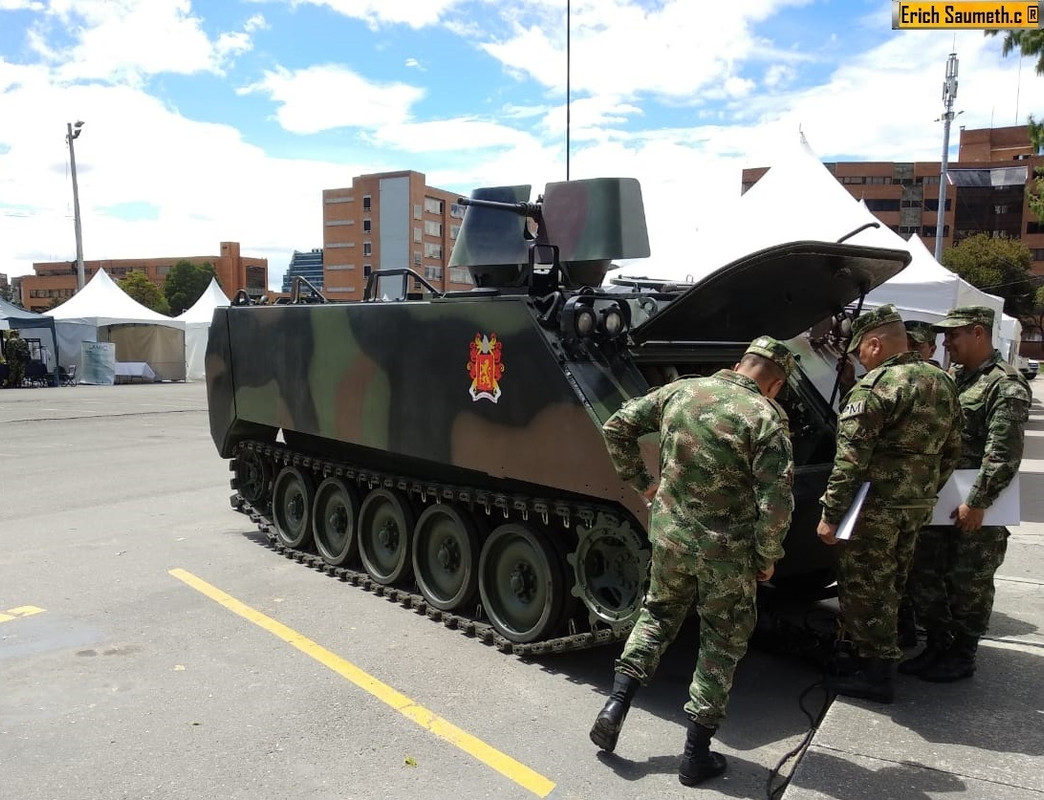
(848, 521)
(1006, 510)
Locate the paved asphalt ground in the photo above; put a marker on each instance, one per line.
(151, 647)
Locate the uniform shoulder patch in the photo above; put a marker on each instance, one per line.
(854, 408)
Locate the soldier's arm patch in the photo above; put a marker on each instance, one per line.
(853, 409)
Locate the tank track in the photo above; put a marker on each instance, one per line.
(475, 499)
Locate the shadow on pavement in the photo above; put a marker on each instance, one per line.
(844, 779)
(997, 710)
(668, 765)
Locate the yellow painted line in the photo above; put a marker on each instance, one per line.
(512, 770)
(21, 611)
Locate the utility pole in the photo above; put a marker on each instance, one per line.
(948, 96)
(73, 132)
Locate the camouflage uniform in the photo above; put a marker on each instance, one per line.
(719, 516)
(952, 577)
(900, 431)
(17, 352)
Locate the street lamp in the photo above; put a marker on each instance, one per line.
(73, 132)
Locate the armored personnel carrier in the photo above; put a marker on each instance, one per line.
(444, 449)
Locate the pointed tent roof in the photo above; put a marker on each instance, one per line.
(798, 198)
(102, 302)
(203, 309)
(14, 318)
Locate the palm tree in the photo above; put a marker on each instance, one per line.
(1027, 42)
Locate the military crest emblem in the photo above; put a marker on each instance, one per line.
(485, 367)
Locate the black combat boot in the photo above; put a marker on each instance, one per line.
(607, 725)
(938, 644)
(906, 631)
(956, 664)
(699, 763)
(872, 682)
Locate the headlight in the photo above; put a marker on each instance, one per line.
(584, 321)
(612, 322)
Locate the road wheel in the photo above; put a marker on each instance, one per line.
(292, 496)
(445, 556)
(334, 517)
(522, 583)
(385, 531)
(253, 476)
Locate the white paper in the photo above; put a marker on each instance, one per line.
(848, 521)
(1006, 509)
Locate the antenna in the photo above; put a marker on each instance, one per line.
(949, 94)
(568, 19)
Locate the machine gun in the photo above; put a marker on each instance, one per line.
(580, 227)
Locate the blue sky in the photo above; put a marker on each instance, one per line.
(223, 120)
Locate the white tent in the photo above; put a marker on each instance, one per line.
(926, 290)
(103, 312)
(799, 198)
(197, 321)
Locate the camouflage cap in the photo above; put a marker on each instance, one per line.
(920, 332)
(775, 351)
(968, 315)
(872, 320)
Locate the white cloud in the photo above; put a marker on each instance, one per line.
(320, 98)
(415, 13)
(128, 40)
(620, 48)
(21, 5)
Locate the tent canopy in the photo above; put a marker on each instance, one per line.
(101, 311)
(14, 318)
(101, 302)
(203, 309)
(197, 321)
(799, 198)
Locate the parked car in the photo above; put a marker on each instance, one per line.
(1028, 367)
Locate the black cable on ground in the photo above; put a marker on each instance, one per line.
(774, 787)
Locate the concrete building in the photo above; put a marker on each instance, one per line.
(986, 191)
(308, 265)
(387, 220)
(57, 279)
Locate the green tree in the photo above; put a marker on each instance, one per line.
(1035, 319)
(138, 286)
(1035, 191)
(998, 266)
(185, 283)
(1027, 42)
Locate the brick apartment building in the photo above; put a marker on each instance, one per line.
(57, 279)
(986, 191)
(387, 220)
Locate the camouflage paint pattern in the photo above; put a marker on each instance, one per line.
(726, 465)
(951, 582)
(17, 353)
(873, 566)
(996, 401)
(723, 593)
(900, 431)
(722, 508)
(394, 378)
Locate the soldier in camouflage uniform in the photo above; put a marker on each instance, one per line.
(920, 337)
(17, 352)
(952, 577)
(719, 515)
(900, 431)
